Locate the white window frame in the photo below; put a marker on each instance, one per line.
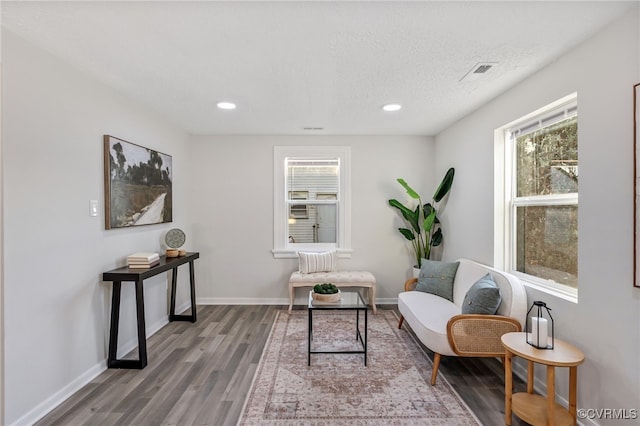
(282, 248)
(506, 202)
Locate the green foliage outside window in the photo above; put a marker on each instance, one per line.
(547, 232)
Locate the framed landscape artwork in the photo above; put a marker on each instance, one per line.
(137, 184)
(636, 184)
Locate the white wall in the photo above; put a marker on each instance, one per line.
(232, 212)
(604, 323)
(56, 307)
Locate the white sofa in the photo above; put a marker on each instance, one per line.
(441, 327)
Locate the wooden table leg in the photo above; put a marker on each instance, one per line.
(551, 394)
(115, 323)
(192, 284)
(174, 285)
(530, 376)
(508, 387)
(112, 360)
(142, 332)
(292, 293)
(372, 298)
(573, 381)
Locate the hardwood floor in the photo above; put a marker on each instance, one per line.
(199, 374)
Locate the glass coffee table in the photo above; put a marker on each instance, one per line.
(351, 300)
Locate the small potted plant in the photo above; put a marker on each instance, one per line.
(326, 292)
(423, 226)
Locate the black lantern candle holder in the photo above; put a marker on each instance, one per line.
(537, 334)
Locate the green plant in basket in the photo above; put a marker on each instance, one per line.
(325, 288)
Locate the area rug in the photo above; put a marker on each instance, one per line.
(337, 389)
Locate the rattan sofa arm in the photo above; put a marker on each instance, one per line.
(479, 335)
(410, 284)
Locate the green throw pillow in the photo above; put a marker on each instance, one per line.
(437, 278)
(483, 297)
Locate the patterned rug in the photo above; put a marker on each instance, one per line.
(337, 389)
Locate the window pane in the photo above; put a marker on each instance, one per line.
(318, 227)
(312, 177)
(547, 160)
(547, 243)
(312, 180)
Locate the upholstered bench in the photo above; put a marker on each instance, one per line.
(338, 278)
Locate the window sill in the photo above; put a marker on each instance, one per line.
(569, 294)
(293, 253)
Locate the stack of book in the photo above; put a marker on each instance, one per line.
(142, 260)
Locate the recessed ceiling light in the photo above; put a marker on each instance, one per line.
(391, 107)
(226, 105)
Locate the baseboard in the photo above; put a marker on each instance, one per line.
(241, 301)
(49, 404)
(62, 395)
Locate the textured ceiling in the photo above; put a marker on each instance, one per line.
(290, 65)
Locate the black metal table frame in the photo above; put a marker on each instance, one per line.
(359, 336)
(137, 276)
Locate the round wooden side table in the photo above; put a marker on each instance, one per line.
(536, 409)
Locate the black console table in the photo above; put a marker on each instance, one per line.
(117, 276)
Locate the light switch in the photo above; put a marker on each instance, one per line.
(93, 207)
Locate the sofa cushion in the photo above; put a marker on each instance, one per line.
(309, 263)
(483, 297)
(437, 278)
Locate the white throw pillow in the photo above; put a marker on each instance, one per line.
(316, 262)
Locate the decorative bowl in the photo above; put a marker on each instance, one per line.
(174, 238)
(320, 297)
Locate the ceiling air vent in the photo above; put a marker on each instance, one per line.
(481, 69)
(478, 70)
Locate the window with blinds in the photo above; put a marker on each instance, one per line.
(312, 215)
(541, 196)
(311, 199)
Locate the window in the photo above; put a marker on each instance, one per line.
(537, 197)
(311, 200)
